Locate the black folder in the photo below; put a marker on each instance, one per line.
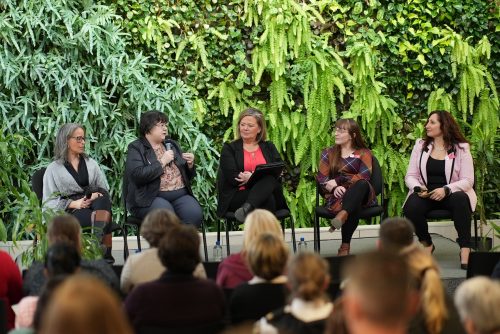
(274, 168)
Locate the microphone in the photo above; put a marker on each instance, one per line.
(88, 194)
(168, 146)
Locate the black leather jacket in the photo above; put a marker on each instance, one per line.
(143, 171)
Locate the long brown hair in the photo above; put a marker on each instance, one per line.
(451, 131)
(357, 142)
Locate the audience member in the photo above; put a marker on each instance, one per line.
(82, 304)
(336, 324)
(266, 291)
(233, 271)
(66, 228)
(478, 303)
(10, 285)
(378, 296)
(308, 278)
(177, 299)
(146, 265)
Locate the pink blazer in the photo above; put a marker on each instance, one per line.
(459, 170)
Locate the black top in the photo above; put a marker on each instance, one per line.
(231, 164)
(82, 175)
(436, 177)
(250, 302)
(286, 322)
(143, 172)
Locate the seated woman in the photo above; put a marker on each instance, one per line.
(308, 278)
(75, 183)
(146, 265)
(266, 291)
(238, 160)
(65, 228)
(233, 270)
(440, 176)
(344, 177)
(159, 174)
(177, 299)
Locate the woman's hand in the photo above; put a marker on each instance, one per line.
(167, 158)
(94, 196)
(82, 203)
(330, 185)
(438, 194)
(243, 177)
(189, 157)
(339, 192)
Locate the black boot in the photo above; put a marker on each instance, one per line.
(241, 213)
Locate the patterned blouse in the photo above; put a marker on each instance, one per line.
(171, 179)
(357, 166)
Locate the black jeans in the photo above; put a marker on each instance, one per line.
(185, 206)
(261, 195)
(416, 208)
(352, 202)
(84, 216)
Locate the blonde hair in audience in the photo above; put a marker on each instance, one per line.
(308, 276)
(82, 305)
(65, 228)
(267, 256)
(425, 273)
(258, 222)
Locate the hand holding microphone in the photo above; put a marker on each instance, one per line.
(168, 156)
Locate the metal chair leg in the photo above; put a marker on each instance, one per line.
(204, 235)
(294, 242)
(228, 248)
(139, 239)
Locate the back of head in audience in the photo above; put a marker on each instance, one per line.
(82, 305)
(378, 293)
(62, 258)
(395, 234)
(308, 276)
(65, 228)
(179, 250)
(478, 303)
(258, 222)
(267, 256)
(157, 224)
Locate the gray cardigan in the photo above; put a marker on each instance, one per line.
(58, 180)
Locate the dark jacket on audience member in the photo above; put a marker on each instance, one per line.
(34, 279)
(231, 164)
(250, 302)
(175, 301)
(143, 171)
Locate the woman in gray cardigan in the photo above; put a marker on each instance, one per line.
(74, 183)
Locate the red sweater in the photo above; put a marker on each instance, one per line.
(233, 272)
(11, 285)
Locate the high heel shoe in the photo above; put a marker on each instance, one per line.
(241, 213)
(344, 249)
(339, 220)
(464, 264)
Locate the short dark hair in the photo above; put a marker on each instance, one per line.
(179, 249)
(150, 119)
(395, 234)
(62, 258)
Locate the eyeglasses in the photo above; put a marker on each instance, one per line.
(79, 139)
(340, 130)
(162, 125)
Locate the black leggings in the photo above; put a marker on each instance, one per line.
(84, 216)
(416, 209)
(261, 195)
(354, 198)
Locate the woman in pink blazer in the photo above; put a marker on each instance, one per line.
(441, 176)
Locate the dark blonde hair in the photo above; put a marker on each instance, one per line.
(259, 117)
(81, 305)
(157, 224)
(65, 228)
(267, 256)
(354, 131)
(308, 275)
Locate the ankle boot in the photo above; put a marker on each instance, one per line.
(339, 219)
(107, 243)
(344, 249)
(241, 213)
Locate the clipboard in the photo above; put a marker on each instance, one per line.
(274, 168)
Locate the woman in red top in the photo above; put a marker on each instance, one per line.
(237, 163)
(11, 285)
(344, 176)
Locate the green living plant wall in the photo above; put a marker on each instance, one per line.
(305, 64)
(67, 61)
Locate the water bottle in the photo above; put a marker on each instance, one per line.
(302, 246)
(217, 252)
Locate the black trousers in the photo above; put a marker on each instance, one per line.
(354, 199)
(84, 215)
(416, 209)
(261, 195)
